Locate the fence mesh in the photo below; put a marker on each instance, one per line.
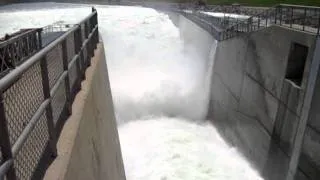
(83, 34)
(24, 96)
(70, 47)
(29, 156)
(58, 102)
(55, 64)
(22, 100)
(73, 73)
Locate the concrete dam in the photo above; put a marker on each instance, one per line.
(160, 94)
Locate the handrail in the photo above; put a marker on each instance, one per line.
(303, 18)
(7, 80)
(271, 17)
(20, 46)
(84, 41)
(15, 38)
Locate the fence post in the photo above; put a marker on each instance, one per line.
(49, 115)
(66, 79)
(304, 19)
(267, 18)
(78, 45)
(40, 38)
(280, 19)
(275, 15)
(5, 140)
(87, 47)
(291, 18)
(249, 24)
(97, 30)
(86, 30)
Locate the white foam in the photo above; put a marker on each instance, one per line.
(217, 14)
(172, 148)
(151, 73)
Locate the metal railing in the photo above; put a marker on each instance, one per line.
(56, 27)
(51, 32)
(303, 18)
(36, 99)
(16, 48)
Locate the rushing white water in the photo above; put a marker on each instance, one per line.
(160, 91)
(151, 73)
(217, 14)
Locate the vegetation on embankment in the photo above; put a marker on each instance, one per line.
(248, 2)
(242, 2)
(266, 2)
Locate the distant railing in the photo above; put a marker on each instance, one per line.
(57, 27)
(36, 99)
(303, 18)
(16, 48)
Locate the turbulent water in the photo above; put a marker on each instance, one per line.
(160, 89)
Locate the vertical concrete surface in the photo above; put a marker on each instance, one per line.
(89, 147)
(308, 136)
(253, 105)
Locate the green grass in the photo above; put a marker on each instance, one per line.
(266, 2)
(251, 2)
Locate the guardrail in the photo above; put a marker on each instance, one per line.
(36, 99)
(303, 18)
(57, 27)
(16, 48)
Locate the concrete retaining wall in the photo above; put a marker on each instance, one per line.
(252, 103)
(310, 158)
(89, 147)
(258, 110)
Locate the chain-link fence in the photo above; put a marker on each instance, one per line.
(16, 48)
(36, 98)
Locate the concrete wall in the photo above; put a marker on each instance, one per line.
(89, 147)
(258, 110)
(252, 104)
(310, 157)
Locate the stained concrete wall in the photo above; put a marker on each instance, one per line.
(89, 147)
(253, 105)
(258, 110)
(310, 158)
